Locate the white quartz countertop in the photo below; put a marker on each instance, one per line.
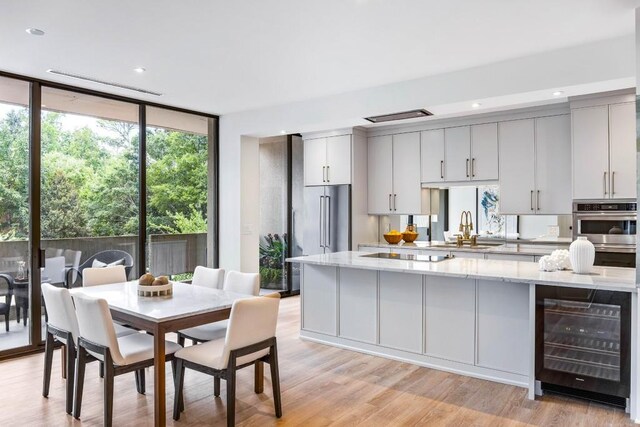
(609, 278)
(506, 248)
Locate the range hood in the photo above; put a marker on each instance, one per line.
(413, 114)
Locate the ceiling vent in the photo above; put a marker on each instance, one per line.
(102, 82)
(413, 114)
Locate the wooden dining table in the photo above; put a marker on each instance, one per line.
(189, 306)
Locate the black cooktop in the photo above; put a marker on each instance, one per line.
(408, 257)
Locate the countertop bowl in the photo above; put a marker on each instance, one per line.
(409, 237)
(392, 239)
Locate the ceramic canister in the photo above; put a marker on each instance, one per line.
(582, 254)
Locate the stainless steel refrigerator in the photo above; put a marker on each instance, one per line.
(327, 219)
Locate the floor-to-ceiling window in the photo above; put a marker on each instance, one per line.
(79, 182)
(14, 212)
(177, 191)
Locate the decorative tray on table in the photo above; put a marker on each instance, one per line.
(149, 286)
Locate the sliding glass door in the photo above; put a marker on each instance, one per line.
(82, 186)
(14, 213)
(177, 188)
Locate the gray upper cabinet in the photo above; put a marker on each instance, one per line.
(458, 154)
(535, 159)
(604, 151)
(457, 144)
(484, 152)
(394, 174)
(327, 161)
(432, 155)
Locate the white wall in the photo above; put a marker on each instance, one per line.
(250, 209)
(600, 66)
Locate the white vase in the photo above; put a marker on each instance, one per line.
(582, 254)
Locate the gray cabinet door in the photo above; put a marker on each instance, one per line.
(503, 326)
(401, 311)
(358, 304)
(319, 308)
(450, 318)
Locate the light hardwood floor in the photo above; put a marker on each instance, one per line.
(321, 386)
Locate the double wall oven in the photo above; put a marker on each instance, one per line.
(611, 227)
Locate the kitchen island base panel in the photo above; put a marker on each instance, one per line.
(418, 359)
(466, 326)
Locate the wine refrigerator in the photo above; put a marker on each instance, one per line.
(583, 339)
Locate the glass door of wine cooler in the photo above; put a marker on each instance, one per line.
(583, 339)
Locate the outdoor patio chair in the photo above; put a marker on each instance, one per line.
(106, 258)
(6, 291)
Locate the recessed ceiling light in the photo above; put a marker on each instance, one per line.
(35, 32)
(557, 93)
(476, 104)
(139, 69)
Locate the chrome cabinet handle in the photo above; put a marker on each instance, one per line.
(442, 169)
(531, 200)
(323, 174)
(390, 202)
(467, 168)
(473, 167)
(394, 201)
(613, 183)
(604, 183)
(328, 174)
(538, 200)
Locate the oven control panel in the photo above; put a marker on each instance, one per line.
(605, 207)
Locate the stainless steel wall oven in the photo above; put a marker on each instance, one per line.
(611, 227)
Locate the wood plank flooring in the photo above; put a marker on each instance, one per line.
(321, 385)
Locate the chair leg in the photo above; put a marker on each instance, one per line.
(6, 320)
(71, 358)
(63, 361)
(231, 396)
(108, 392)
(216, 386)
(140, 381)
(24, 315)
(17, 313)
(101, 370)
(258, 380)
(178, 402)
(174, 370)
(79, 381)
(181, 339)
(275, 379)
(48, 361)
(194, 342)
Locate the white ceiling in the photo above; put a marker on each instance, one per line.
(226, 56)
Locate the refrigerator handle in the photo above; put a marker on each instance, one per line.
(321, 221)
(328, 219)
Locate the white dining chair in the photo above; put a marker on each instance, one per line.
(120, 355)
(62, 326)
(208, 277)
(103, 275)
(250, 340)
(54, 269)
(240, 283)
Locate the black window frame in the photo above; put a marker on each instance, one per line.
(36, 255)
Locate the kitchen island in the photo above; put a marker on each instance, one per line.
(474, 317)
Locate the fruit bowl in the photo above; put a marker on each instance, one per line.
(409, 237)
(392, 238)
